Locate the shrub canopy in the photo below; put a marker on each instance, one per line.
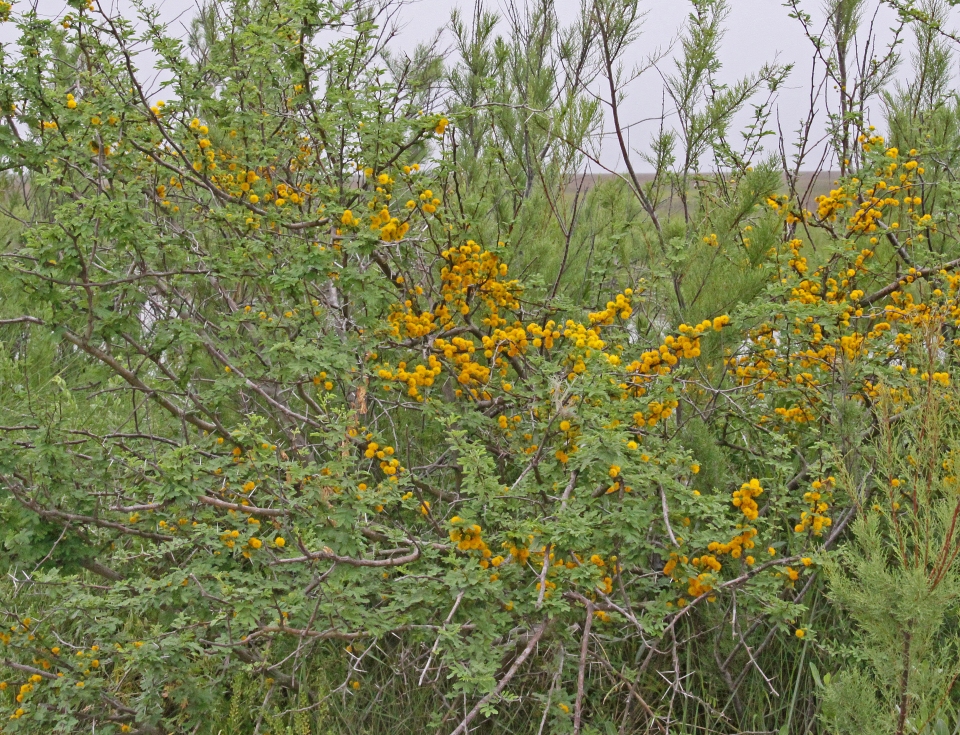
(329, 390)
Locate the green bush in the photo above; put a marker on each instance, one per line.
(336, 398)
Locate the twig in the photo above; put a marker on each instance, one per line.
(462, 727)
(543, 574)
(584, 645)
(666, 516)
(436, 643)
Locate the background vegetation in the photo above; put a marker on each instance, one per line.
(337, 397)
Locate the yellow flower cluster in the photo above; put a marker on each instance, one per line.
(660, 361)
(865, 218)
(697, 585)
(736, 545)
(672, 562)
(394, 230)
(795, 414)
(585, 341)
(797, 262)
(708, 561)
(428, 202)
(391, 228)
(471, 270)
(460, 351)
(238, 182)
(883, 195)
(511, 340)
(520, 553)
(421, 376)
(941, 378)
(806, 292)
(828, 205)
(546, 335)
(744, 498)
(389, 464)
(851, 345)
(656, 411)
(285, 193)
(651, 363)
(405, 321)
(374, 450)
(700, 585)
(620, 306)
(815, 518)
(468, 538)
(867, 142)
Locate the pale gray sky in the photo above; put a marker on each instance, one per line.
(758, 31)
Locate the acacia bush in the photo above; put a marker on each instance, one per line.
(333, 398)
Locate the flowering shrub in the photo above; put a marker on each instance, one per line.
(284, 425)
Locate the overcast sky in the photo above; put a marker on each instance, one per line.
(758, 31)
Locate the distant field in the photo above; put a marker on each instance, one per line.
(811, 183)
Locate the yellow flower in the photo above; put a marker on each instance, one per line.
(280, 541)
(800, 632)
